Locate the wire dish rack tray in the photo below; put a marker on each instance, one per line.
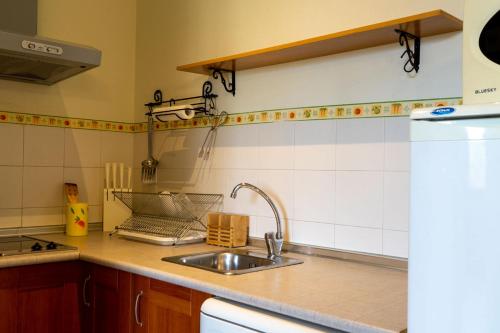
(166, 218)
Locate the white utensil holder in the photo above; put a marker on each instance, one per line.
(114, 211)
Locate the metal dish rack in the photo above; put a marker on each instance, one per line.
(166, 218)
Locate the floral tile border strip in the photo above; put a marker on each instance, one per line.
(363, 110)
(65, 122)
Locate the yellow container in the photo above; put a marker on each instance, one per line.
(77, 219)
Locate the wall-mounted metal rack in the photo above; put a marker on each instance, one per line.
(204, 103)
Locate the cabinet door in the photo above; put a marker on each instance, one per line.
(164, 307)
(47, 298)
(110, 300)
(8, 300)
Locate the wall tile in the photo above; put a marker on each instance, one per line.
(178, 149)
(396, 200)
(397, 145)
(117, 147)
(396, 243)
(252, 227)
(95, 214)
(43, 146)
(314, 193)
(10, 218)
(359, 198)
(140, 149)
(276, 145)
(11, 187)
(315, 145)
(90, 183)
(82, 148)
(247, 201)
(268, 224)
(237, 147)
(33, 217)
(358, 239)
(278, 184)
(360, 144)
(13, 134)
(312, 233)
(43, 187)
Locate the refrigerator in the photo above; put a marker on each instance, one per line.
(454, 246)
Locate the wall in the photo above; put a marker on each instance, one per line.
(339, 183)
(40, 159)
(171, 33)
(106, 92)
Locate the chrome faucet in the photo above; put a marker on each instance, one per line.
(274, 241)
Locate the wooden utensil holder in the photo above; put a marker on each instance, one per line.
(227, 230)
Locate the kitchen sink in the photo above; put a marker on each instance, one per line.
(232, 262)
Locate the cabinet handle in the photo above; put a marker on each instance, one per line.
(137, 300)
(84, 291)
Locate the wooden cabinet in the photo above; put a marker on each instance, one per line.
(40, 298)
(74, 297)
(163, 307)
(107, 299)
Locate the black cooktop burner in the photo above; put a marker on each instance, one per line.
(13, 245)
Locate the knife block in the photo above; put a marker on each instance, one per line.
(114, 211)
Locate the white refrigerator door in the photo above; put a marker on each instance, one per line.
(454, 256)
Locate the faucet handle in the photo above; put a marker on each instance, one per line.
(270, 241)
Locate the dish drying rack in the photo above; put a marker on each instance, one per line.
(166, 218)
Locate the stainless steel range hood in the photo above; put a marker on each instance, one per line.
(24, 56)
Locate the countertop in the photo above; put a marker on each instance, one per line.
(344, 295)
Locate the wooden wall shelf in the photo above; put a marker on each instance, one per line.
(422, 25)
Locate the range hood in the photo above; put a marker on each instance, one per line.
(26, 57)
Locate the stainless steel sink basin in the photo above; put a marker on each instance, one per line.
(232, 262)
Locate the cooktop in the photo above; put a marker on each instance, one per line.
(14, 245)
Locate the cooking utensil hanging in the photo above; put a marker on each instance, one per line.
(210, 138)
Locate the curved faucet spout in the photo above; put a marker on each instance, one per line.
(275, 242)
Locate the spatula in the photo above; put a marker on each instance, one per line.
(71, 191)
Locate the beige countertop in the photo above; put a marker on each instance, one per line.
(345, 295)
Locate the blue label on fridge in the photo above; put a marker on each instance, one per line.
(443, 111)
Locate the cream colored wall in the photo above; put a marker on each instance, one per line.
(174, 32)
(106, 92)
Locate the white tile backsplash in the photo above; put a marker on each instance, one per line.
(40, 159)
(314, 193)
(358, 239)
(42, 187)
(397, 145)
(396, 200)
(276, 146)
(35, 217)
(278, 184)
(313, 233)
(10, 218)
(359, 198)
(43, 146)
(337, 183)
(13, 134)
(81, 148)
(11, 187)
(315, 145)
(395, 243)
(360, 144)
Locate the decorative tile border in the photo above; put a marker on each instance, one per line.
(345, 111)
(54, 121)
(364, 110)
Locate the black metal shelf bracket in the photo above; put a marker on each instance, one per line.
(413, 62)
(230, 86)
(204, 103)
